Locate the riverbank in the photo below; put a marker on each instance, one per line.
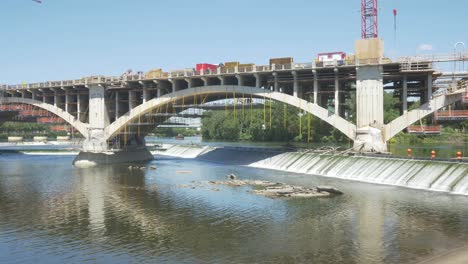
(447, 176)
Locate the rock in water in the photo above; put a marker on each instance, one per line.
(329, 189)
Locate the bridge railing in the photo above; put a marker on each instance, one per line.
(443, 57)
(263, 68)
(247, 69)
(409, 63)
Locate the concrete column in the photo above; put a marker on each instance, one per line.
(429, 87)
(189, 82)
(98, 120)
(33, 94)
(369, 94)
(43, 97)
(205, 81)
(145, 95)
(131, 100)
(316, 88)
(67, 99)
(404, 95)
(56, 99)
(337, 93)
(117, 107)
(239, 80)
(276, 85)
(221, 78)
(158, 89)
(173, 84)
(295, 84)
(78, 105)
(370, 109)
(145, 92)
(258, 80)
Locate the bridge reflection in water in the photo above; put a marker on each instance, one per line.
(54, 212)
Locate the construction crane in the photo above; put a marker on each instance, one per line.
(369, 19)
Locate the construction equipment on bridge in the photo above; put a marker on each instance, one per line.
(327, 59)
(451, 115)
(153, 73)
(425, 130)
(231, 64)
(205, 68)
(281, 61)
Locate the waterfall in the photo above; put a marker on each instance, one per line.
(419, 174)
(440, 176)
(183, 151)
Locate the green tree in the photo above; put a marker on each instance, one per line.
(390, 110)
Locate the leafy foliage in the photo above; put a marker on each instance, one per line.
(276, 122)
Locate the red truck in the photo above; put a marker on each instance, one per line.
(205, 67)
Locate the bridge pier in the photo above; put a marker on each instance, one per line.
(295, 84)
(276, 84)
(370, 110)
(96, 149)
(404, 95)
(369, 97)
(337, 93)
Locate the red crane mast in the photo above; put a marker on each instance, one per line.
(369, 19)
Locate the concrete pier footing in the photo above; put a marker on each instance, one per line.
(90, 159)
(369, 139)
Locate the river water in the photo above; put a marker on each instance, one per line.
(51, 212)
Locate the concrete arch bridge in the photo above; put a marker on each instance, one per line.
(106, 109)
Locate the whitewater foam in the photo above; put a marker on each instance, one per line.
(430, 175)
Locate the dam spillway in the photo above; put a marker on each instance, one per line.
(441, 176)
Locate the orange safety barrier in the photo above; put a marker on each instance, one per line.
(50, 120)
(35, 113)
(63, 128)
(424, 129)
(453, 113)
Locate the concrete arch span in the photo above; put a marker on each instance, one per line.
(79, 126)
(402, 122)
(336, 121)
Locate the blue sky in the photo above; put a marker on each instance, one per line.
(68, 39)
